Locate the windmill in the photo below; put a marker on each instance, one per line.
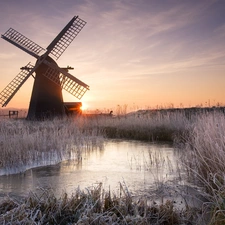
(49, 79)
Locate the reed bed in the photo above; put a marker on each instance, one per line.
(146, 126)
(205, 145)
(204, 161)
(92, 206)
(26, 144)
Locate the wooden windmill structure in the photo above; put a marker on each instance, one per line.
(49, 79)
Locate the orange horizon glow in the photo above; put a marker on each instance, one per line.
(86, 108)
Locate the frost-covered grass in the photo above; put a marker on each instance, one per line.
(205, 148)
(204, 160)
(26, 144)
(92, 206)
(149, 126)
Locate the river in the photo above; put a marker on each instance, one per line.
(138, 166)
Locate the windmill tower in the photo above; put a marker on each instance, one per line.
(46, 98)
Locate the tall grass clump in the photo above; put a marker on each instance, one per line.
(26, 144)
(205, 160)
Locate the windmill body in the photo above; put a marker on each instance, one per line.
(46, 98)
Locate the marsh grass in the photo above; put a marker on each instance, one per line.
(205, 148)
(150, 126)
(92, 206)
(204, 161)
(26, 144)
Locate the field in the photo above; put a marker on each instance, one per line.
(199, 134)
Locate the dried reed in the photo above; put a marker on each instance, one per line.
(26, 144)
(150, 126)
(93, 206)
(204, 161)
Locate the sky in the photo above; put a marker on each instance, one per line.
(134, 54)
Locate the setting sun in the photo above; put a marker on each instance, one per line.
(84, 106)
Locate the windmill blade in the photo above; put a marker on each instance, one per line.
(10, 90)
(72, 85)
(65, 37)
(67, 81)
(22, 42)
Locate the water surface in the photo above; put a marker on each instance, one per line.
(136, 165)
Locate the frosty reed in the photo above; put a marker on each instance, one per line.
(93, 206)
(26, 144)
(204, 161)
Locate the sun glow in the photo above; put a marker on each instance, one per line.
(84, 106)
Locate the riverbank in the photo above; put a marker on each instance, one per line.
(93, 206)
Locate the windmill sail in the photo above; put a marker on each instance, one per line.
(10, 90)
(65, 37)
(72, 86)
(22, 42)
(67, 82)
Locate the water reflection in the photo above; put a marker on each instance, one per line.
(137, 164)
